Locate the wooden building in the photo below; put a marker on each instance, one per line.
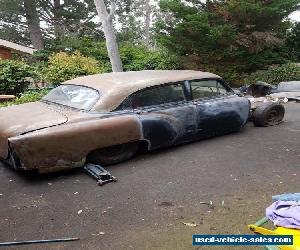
(8, 48)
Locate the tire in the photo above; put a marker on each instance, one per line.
(268, 114)
(114, 154)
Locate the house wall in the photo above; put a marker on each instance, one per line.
(5, 53)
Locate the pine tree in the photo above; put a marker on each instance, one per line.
(226, 36)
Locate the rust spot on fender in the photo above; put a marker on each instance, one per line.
(72, 142)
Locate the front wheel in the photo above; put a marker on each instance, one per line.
(268, 114)
(114, 154)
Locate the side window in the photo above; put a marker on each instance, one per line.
(158, 95)
(207, 89)
(125, 105)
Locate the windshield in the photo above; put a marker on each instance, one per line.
(73, 96)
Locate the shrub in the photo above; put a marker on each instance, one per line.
(276, 74)
(63, 66)
(14, 77)
(28, 96)
(134, 56)
(139, 57)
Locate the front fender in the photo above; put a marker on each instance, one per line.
(69, 144)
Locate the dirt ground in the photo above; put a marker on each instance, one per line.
(157, 192)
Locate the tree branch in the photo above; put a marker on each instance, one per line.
(47, 3)
(112, 10)
(90, 18)
(46, 18)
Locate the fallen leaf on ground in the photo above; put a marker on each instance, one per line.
(210, 204)
(166, 204)
(190, 224)
(100, 233)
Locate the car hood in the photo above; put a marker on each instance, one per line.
(24, 118)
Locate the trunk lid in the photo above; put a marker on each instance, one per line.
(24, 118)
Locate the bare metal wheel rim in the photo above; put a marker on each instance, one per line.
(273, 116)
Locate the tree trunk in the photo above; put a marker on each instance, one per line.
(58, 30)
(106, 20)
(33, 23)
(147, 22)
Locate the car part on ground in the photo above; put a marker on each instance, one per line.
(257, 101)
(266, 108)
(259, 89)
(268, 114)
(291, 86)
(291, 96)
(99, 173)
(289, 90)
(266, 111)
(28, 242)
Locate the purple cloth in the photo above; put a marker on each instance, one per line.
(284, 214)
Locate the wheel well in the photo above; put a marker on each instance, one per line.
(144, 145)
(14, 159)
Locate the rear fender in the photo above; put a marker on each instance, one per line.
(69, 144)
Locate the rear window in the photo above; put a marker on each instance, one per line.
(74, 96)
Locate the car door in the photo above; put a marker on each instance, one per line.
(166, 115)
(218, 109)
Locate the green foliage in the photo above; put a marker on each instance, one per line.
(28, 96)
(134, 57)
(276, 74)
(69, 18)
(11, 25)
(141, 58)
(293, 42)
(63, 66)
(14, 76)
(229, 38)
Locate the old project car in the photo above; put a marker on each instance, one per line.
(106, 118)
(289, 90)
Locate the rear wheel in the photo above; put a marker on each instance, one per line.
(269, 114)
(114, 154)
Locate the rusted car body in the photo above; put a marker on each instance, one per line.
(289, 90)
(105, 115)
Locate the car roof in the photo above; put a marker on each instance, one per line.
(289, 86)
(115, 87)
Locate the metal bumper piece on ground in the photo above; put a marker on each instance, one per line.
(99, 173)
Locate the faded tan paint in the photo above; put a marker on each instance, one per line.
(19, 119)
(69, 144)
(115, 87)
(52, 137)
